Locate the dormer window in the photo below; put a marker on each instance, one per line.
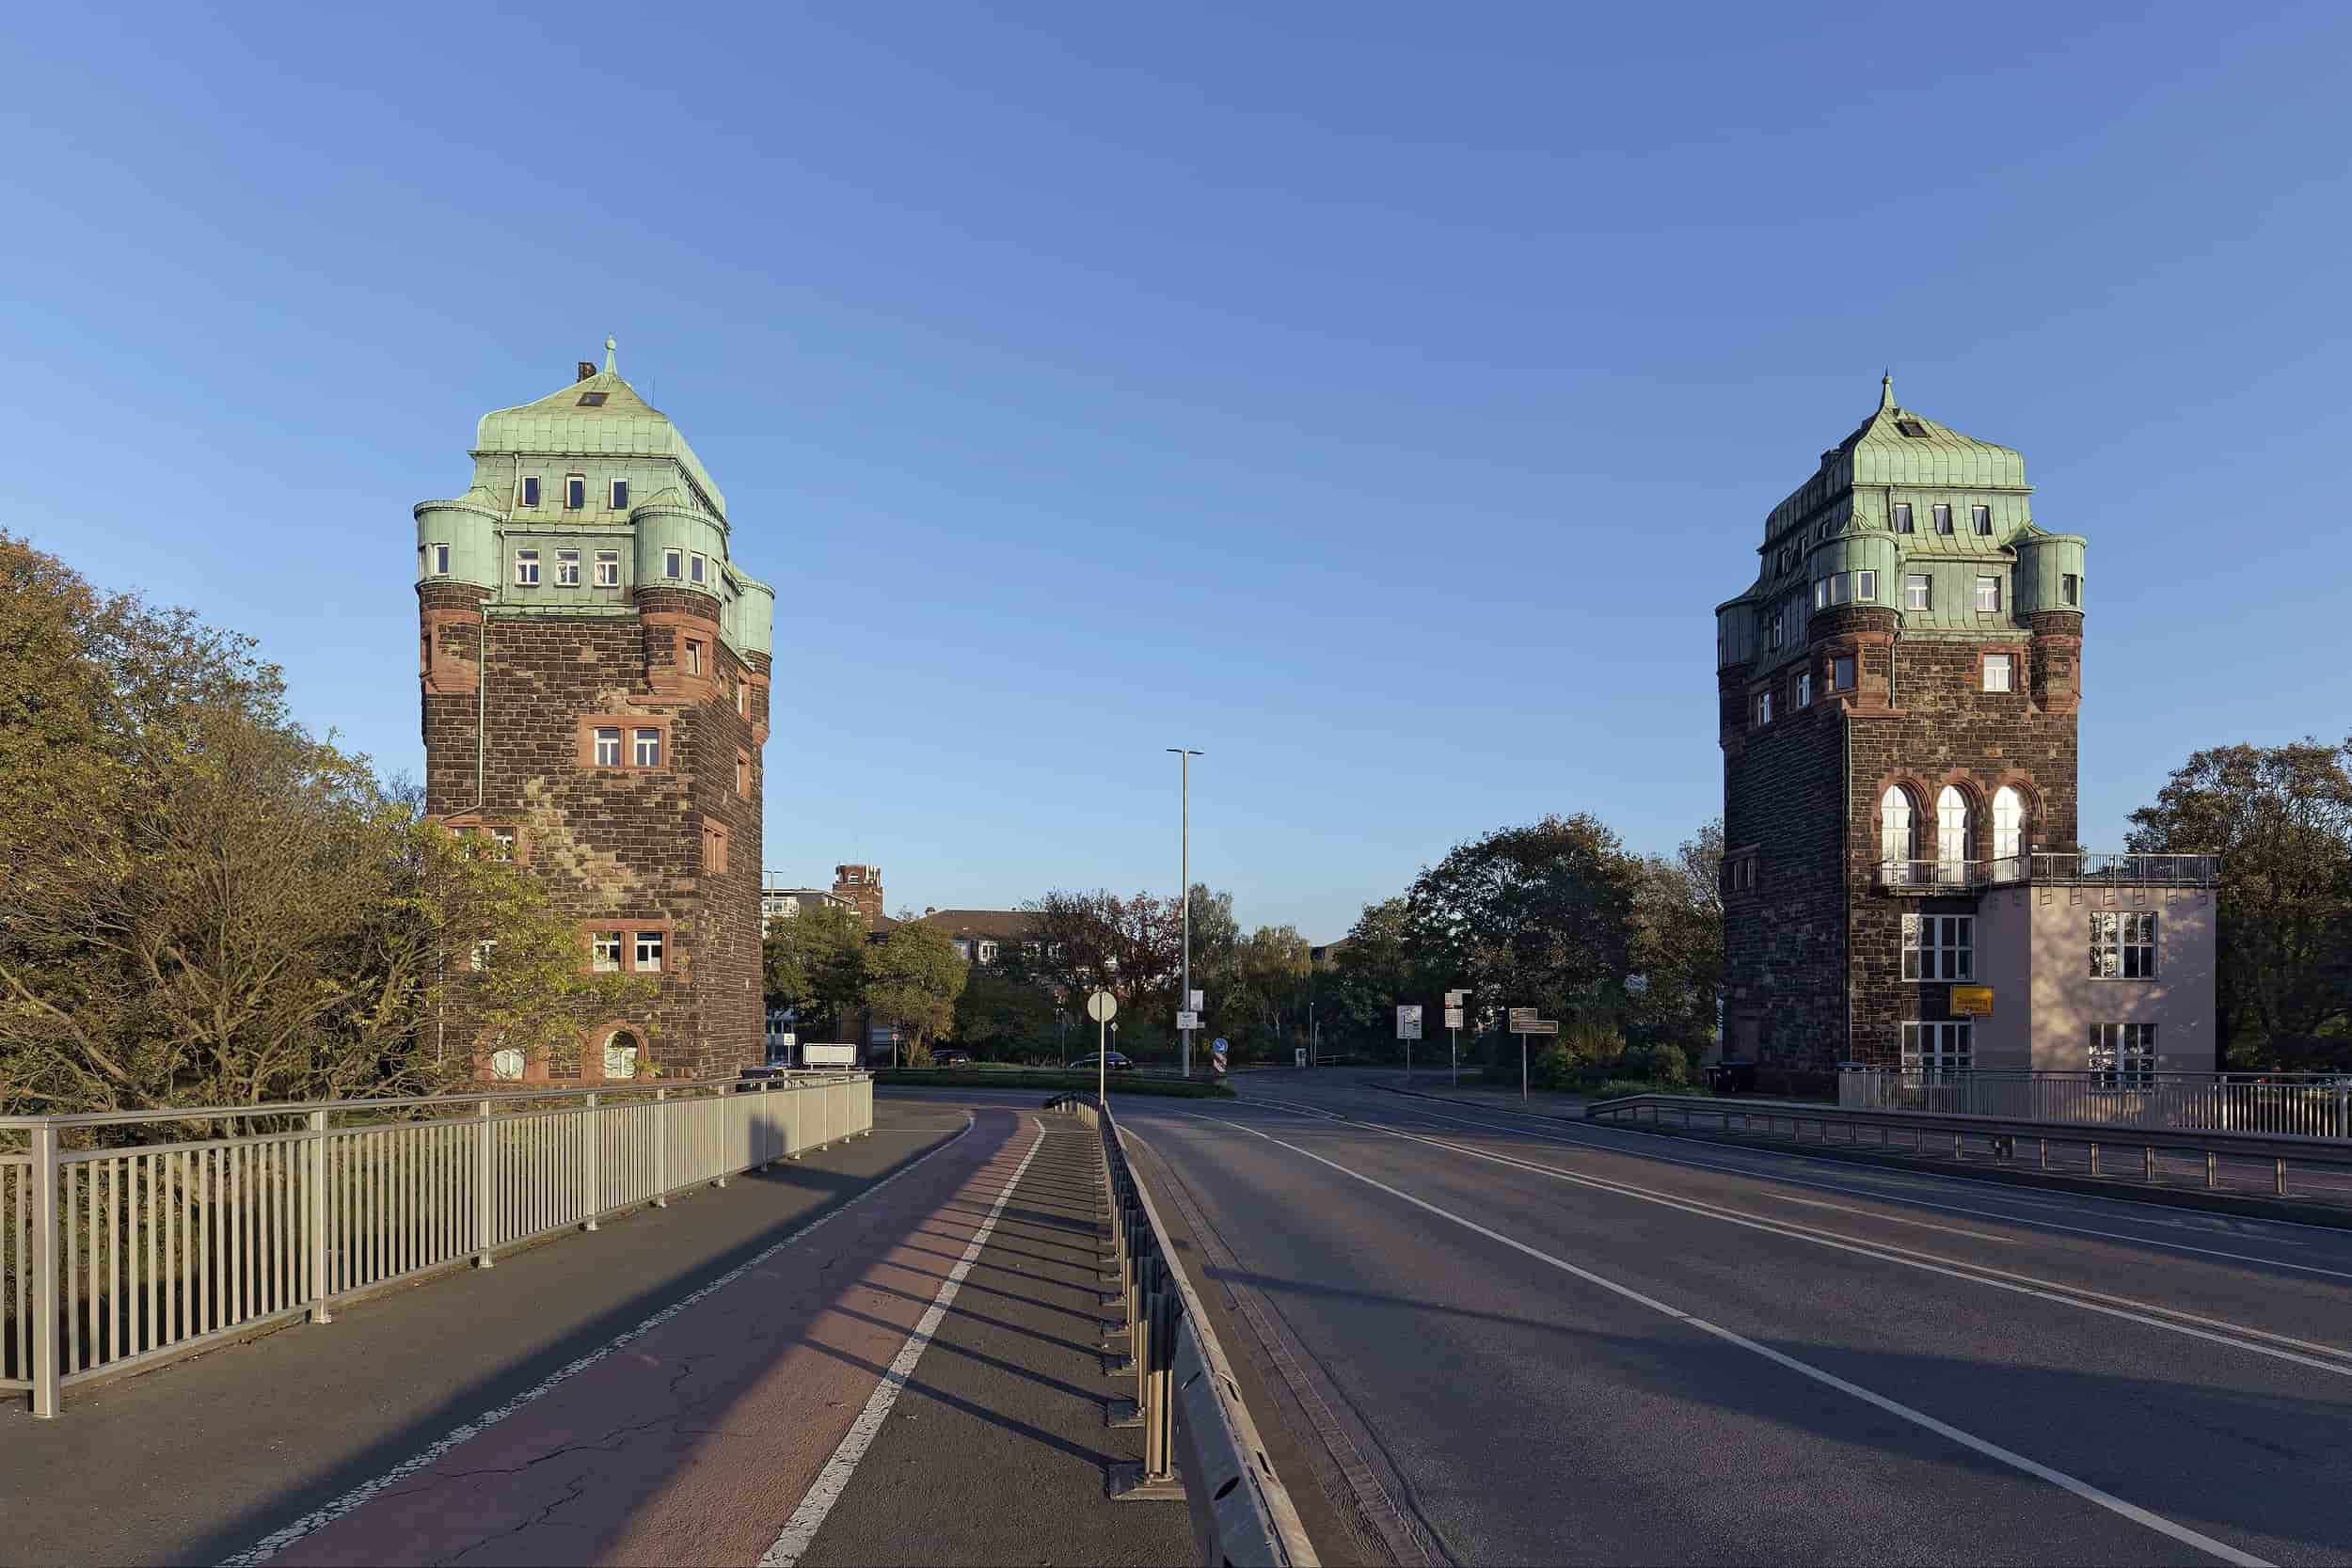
(439, 554)
(575, 491)
(531, 490)
(1912, 428)
(620, 495)
(608, 568)
(568, 568)
(1943, 518)
(1785, 554)
(1980, 520)
(1902, 517)
(1764, 708)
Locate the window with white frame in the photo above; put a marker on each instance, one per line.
(608, 744)
(672, 564)
(2124, 1054)
(1918, 592)
(1764, 707)
(699, 568)
(604, 952)
(988, 952)
(1943, 518)
(1821, 592)
(531, 490)
(2122, 944)
(1952, 833)
(1980, 520)
(1988, 595)
(647, 753)
(1805, 688)
(1997, 672)
(575, 491)
(526, 568)
(1939, 947)
(501, 843)
(440, 560)
(568, 568)
(1899, 833)
(647, 957)
(693, 656)
(2008, 833)
(620, 495)
(1842, 673)
(507, 1066)
(1866, 583)
(1939, 1047)
(608, 568)
(620, 1055)
(2070, 590)
(1902, 517)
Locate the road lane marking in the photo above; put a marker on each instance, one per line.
(1890, 1219)
(2083, 1489)
(456, 1437)
(1878, 1195)
(2082, 1298)
(800, 1531)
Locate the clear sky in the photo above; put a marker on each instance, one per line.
(1378, 398)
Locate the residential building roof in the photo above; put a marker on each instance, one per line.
(994, 924)
(619, 423)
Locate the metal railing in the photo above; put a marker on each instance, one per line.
(1198, 1441)
(2095, 870)
(2327, 1167)
(2286, 1105)
(116, 1252)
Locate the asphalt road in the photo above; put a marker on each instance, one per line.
(1487, 1337)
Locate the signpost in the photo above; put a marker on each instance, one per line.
(1216, 1055)
(1409, 1030)
(1187, 1020)
(1523, 1024)
(1971, 1001)
(1453, 999)
(1298, 1056)
(1101, 1008)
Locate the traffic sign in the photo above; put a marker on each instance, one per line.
(1409, 1021)
(1187, 1021)
(1453, 1017)
(1524, 1022)
(1102, 1007)
(1971, 1001)
(1298, 1056)
(1456, 998)
(1192, 1002)
(1216, 1055)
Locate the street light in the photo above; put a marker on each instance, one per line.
(1183, 879)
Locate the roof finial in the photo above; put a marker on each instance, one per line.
(1887, 391)
(609, 346)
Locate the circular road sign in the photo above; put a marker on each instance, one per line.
(1102, 1007)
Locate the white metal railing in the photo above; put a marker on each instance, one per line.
(116, 1252)
(2124, 870)
(2289, 1104)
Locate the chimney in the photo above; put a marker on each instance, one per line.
(929, 912)
(587, 369)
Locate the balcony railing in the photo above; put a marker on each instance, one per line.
(2126, 870)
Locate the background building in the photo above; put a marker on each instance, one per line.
(778, 900)
(860, 887)
(595, 672)
(1898, 699)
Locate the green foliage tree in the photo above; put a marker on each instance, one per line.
(2280, 818)
(913, 982)
(815, 964)
(1002, 1015)
(1678, 947)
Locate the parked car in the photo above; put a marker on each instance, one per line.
(1116, 1063)
(951, 1058)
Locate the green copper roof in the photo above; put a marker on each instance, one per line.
(1901, 447)
(617, 423)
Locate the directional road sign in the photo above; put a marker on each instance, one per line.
(1102, 1007)
(1409, 1021)
(1453, 1017)
(1187, 1020)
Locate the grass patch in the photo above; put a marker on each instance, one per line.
(1049, 1078)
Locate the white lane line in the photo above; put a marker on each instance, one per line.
(1890, 1219)
(1893, 1407)
(800, 1531)
(309, 1523)
(1881, 1196)
(2082, 1298)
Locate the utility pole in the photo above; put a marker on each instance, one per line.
(1183, 879)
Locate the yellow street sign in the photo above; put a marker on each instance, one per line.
(1971, 1001)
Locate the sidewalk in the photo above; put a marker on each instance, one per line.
(672, 1389)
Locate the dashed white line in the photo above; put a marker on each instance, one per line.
(311, 1523)
(2083, 1489)
(800, 1530)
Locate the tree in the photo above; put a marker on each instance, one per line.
(1265, 990)
(815, 964)
(2279, 817)
(913, 982)
(1677, 949)
(1000, 1013)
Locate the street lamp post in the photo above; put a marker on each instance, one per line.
(1183, 879)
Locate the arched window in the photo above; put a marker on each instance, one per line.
(2009, 835)
(620, 1055)
(507, 1065)
(1898, 834)
(1951, 836)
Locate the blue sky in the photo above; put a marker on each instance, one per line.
(1378, 398)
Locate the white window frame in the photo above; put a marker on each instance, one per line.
(698, 568)
(1866, 585)
(1942, 1046)
(526, 568)
(1805, 688)
(1981, 521)
(1988, 598)
(693, 654)
(616, 495)
(601, 739)
(1903, 522)
(440, 557)
(672, 564)
(2123, 945)
(502, 842)
(645, 748)
(2005, 678)
(575, 492)
(1821, 592)
(646, 951)
(2123, 1054)
(988, 952)
(1763, 708)
(2009, 832)
(1942, 513)
(1939, 948)
(506, 1064)
(604, 952)
(608, 568)
(1840, 588)
(568, 568)
(531, 490)
(1918, 591)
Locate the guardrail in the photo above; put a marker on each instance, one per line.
(2113, 870)
(1198, 1441)
(125, 1242)
(2001, 1137)
(2305, 1105)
